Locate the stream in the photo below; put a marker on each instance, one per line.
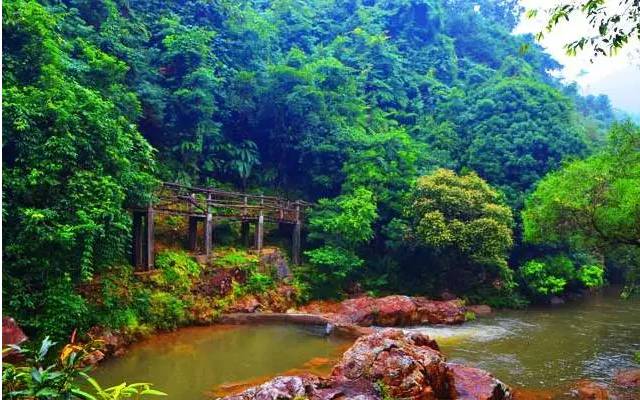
(534, 348)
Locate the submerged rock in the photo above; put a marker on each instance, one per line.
(390, 311)
(388, 363)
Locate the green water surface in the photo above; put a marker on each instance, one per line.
(192, 362)
(550, 347)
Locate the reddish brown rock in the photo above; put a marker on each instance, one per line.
(390, 311)
(589, 390)
(476, 384)
(350, 331)
(449, 312)
(628, 379)
(391, 363)
(395, 311)
(282, 387)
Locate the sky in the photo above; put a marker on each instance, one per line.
(616, 76)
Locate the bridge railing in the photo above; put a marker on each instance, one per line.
(208, 205)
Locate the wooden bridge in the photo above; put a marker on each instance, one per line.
(207, 206)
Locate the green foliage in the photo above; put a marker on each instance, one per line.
(237, 259)
(341, 225)
(164, 310)
(543, 279)
(553, 274)
(613, 26)
(592, 205)
(38, 378)
(177, 271)
(591, 276)
(259, 283)
(462, 215)
(344, 101)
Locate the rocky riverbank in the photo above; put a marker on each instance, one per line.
(389, 363)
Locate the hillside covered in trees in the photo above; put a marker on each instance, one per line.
(421, 129)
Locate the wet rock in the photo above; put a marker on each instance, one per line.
(282, 387)
(390, 311)
(628, 379)
(439, 312)
(480, 309)
(407, 365)
(389, 362)
(589, 390)
(349, 331)
(476, 384)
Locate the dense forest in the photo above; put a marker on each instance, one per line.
(441, 153)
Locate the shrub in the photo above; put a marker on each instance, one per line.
(259, 283)
(591, 276)
(540, 279)
(165, 311)
(237, 259)
(63, 310)
(177, 270)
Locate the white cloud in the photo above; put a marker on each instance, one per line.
(617, 76)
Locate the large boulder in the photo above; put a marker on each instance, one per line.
(409, 365)
(388, 363)
(476, 384)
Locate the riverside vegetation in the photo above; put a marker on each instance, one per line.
(440, 154)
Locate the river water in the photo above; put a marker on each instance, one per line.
(193, 363)
(533, 348)
(549, 347)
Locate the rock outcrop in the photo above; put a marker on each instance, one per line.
(390, 311)
(388, 363)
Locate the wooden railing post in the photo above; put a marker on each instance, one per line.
(149, 238)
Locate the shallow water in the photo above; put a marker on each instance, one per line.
(549, 347)
(192, 363)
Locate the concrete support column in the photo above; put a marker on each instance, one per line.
(259, 232)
